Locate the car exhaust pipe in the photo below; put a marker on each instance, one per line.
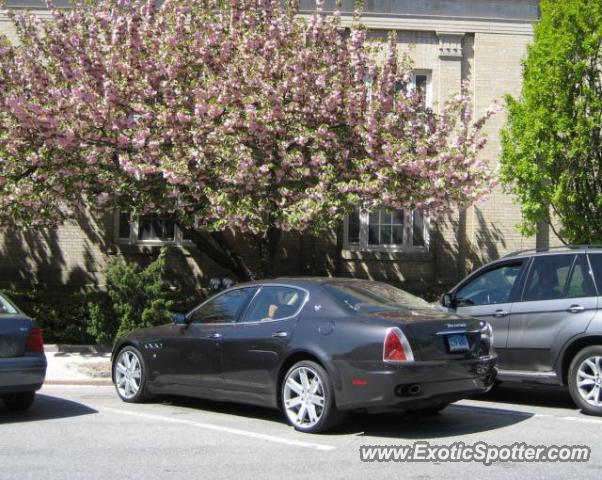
(414, 389)
(410, 390)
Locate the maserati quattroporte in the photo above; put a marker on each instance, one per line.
(314, 347)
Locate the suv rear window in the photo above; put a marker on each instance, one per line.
(596, 262)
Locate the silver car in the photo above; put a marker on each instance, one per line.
(546, 311)
(22, 359)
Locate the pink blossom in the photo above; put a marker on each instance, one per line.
(102, 198)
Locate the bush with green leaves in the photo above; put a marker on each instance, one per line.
(61, 312)
(136, 298)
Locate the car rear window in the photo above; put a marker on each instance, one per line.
(6, 308)
(371, 297)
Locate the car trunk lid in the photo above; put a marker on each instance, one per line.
(14, 331)
(436, 335)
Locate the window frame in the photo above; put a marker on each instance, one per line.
(134, 230)
(408, 235)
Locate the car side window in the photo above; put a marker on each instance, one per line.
(275, 303)
(224, 308)
(547, 277)
(491, 287)
(581, 283)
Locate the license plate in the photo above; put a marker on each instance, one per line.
(458, 343)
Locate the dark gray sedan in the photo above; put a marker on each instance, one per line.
(316, 348)
(22, 359)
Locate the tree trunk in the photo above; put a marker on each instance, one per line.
(218, 248)
(268, 247)
(340, 233)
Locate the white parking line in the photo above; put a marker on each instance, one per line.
(219, 428)
(571, 419)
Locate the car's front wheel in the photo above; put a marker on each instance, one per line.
(585, 380)
(129, 375)
(308, 398)
(18, 402)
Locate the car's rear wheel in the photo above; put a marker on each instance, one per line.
(18, 402)
(129, 374)
(308, 398)
(585, 380)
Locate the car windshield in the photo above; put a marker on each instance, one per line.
(7, 308)
(374, 297)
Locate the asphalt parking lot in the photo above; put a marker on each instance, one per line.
(87, 432)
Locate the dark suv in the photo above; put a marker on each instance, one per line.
(546, 311)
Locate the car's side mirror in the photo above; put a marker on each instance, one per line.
(180, 319)
(447, 300)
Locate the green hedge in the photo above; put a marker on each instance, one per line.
(64, 314)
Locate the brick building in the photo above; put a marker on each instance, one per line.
(449, 41)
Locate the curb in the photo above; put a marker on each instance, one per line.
(68, 348)
(95, 383)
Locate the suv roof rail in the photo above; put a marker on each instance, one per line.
(558, 248)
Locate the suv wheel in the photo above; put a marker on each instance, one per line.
(585, 380)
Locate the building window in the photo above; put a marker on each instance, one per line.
(385, 227)
(421, 81)
(150, 228)
(395, 230)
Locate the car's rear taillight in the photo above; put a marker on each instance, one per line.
(35, 342)
(396, 347)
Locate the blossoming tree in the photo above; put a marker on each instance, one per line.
(223, 115)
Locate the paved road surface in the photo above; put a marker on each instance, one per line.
(75, 432)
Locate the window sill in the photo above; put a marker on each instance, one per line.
(418, 255)
(152, 247)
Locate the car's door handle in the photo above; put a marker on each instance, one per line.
(214, 335)
(500, 313)
(575, 309)
(280, 334)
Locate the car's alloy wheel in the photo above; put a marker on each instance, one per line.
(585, 380)
(308, 399)
(18, 402)
(129, 375)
